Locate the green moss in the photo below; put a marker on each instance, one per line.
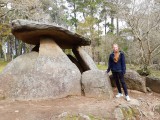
(77, 117)
(93, 117)
(71, 117)
(144, 72)
(129, 113)
(155, 73)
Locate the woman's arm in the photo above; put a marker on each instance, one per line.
(123, 63)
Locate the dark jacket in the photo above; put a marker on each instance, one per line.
(120, 66)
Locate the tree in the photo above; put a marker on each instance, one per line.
(17, 9)
(144, 24)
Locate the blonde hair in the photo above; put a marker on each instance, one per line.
(115, 44)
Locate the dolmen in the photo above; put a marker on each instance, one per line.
(47, 72)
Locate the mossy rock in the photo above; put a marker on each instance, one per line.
(144, 72)
(78, 116)
(157, 108)
(125, 112)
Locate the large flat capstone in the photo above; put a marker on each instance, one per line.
(31, 32)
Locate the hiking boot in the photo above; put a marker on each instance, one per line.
(128, 98)
(119, 95)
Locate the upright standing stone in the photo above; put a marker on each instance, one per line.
(97, 84)
(54, 68)
(84, 59)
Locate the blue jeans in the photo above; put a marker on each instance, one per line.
(119, 77)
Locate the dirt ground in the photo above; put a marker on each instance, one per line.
(74, 105)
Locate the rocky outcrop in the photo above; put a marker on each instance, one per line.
(84, 59)
(49, 74)
(157, 108)
(126, 112)
(153, 83)
(96, 84)
(133, 80)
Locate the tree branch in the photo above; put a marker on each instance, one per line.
(153, 50)
(156, 55)
(3, 4)
(6, 13)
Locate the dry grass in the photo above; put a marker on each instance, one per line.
(102, 67)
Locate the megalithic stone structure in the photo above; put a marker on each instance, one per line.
(46, 72)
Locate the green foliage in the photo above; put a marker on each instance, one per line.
(110, 26)
(2, 65)
(92, 117)
(144, 71)
(5, 29)
(86, 28)
(155, 73)
(126, 31)
(68, 51)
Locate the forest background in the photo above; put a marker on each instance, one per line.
(133, 24)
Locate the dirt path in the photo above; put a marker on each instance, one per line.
(73, 105)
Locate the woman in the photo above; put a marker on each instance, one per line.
(118, 67)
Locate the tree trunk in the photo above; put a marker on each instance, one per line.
(75, 16)
(98, 58)
(15, 47)
(112, 24)
(11, 48)
(105, 25)
(24, 47)
(117, 26)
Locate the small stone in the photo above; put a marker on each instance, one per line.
(151, 113)
(148, 89)
(83, 117)
(64, 114)
(16, 111)
(157, 108)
